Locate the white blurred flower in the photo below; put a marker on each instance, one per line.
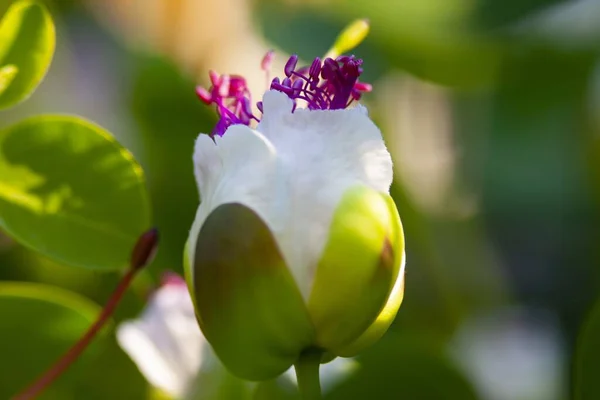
(165, 342)
(512, 355)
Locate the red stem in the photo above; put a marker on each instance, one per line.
(73, 353)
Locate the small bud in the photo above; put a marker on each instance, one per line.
(145, 249)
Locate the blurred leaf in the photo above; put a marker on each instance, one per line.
(430, 39)
(535, 191)
(493, 13)
(404, 367)
(587, 358)
(70, 191)
(170, 116)
(27, 42)
(39, 323)
(7, 75)
(276, 389)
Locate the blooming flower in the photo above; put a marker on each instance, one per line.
(169, 349)
(296, 243)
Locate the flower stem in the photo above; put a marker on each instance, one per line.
(142, 254)
(307, 373)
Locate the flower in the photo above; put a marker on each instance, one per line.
(296, 243)
(165, 342)
(169, 349)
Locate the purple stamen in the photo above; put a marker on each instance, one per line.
(323, 85)
(290, 65)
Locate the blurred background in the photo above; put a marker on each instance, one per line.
(491, 110)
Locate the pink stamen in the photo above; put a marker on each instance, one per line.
(323, 85)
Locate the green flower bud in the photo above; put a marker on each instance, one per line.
(296, 243)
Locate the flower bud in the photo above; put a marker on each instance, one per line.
(296, 243)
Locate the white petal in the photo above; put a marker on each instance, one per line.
(166, 342)
(134, 340)
(292, 171)
(322, 154)
(239, 167)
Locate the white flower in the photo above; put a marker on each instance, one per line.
(166, 343)
(296, 243)
(292, 170)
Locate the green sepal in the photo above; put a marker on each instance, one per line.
(187, 270)
(360, 264)
(388, 313)
(248, 304)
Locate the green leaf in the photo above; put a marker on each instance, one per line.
(7, 75)
(27, 40)
(495, 14)
(587, 359)
(71, 192)
(39, 323)
(163, 101)
(432, 40)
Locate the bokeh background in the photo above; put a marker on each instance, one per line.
(491, 110)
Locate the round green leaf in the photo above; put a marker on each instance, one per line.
(71, 192)
(39, 324)
(27, 40)
(587, 386)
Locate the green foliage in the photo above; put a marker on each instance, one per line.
(70, 191)
(430, 39)
(39, 323)
(27, 41)
(42, 321)
(587, 361)
(493, 14)
(169, 117)
(526, 143)
(404, 367)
